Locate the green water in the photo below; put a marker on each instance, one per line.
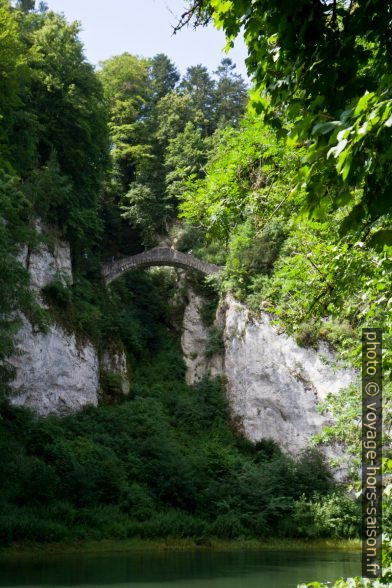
(249, 569)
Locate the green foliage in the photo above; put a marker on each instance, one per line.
(214, 342)
(336, 515)
(62, 81)
(249, 173)
(209, 308)
(124, 79)
(185, 158)
(323, 66)
(112, 386)
(159, 130)
(144, 212)
(58, 295)
(163, 463)
(230, 94)
(48, 191)
(164, 76)
(12, 66)
(200, 87)
(129, 314)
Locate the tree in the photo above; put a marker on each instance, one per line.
(147, 210)
(125, 82)
(163, 76)
(145, 112)
(323, 66)
(11, 68)
(185, 158)
(145, 204)
(62, 81)
(230, 96)
(25, 5)
(248, 175)
(152, 118)
(198, 84)
(174, 111)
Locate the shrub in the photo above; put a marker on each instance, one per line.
(306, 334)
(208, 310)
(173, 523)
(112, 386)
(139, 503)
(26, 524)
(165, 462)
(227, 526)
(336, 515)
(215, 342)
(57, 294)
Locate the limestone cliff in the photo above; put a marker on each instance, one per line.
(194, 343)
(114, 361)
(45, 264)
(274, 386)
(56, 372)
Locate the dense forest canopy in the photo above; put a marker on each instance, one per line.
(322, 74)
(161, 127)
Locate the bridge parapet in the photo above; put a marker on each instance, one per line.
(158, 256)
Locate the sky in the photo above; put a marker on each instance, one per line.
(144, 27)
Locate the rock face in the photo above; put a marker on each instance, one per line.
(56, 373)
(194, 342)
(44, 265)
(115, 362)
(273, 385)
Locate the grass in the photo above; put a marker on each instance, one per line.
(135, 545)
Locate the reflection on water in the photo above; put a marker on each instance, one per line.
(247, 569)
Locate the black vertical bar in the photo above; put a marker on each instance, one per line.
(372, 453)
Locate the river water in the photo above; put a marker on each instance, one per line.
(245, 569)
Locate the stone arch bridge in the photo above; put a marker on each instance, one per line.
(157, 256)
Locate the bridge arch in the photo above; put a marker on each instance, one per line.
(158, 256)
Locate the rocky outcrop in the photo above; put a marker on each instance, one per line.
(115, 362)
(274, 386)
(46, 264)
(56, 372)
(53, 373)
(194, 342)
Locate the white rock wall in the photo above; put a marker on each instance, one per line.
(274, 386)
(115, 361)
(193, 341)
(44, 265)
(56, 373)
